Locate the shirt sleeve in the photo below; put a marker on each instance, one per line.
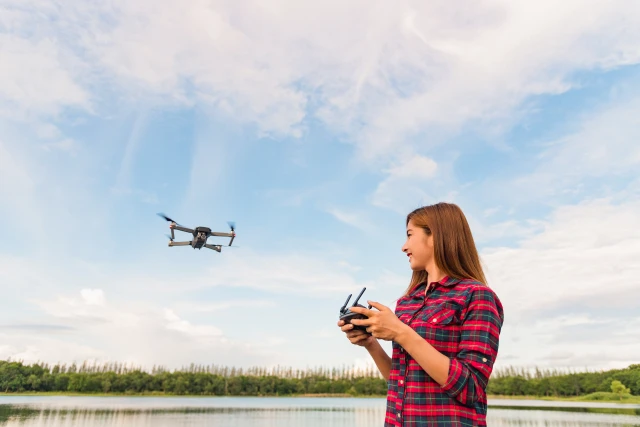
(470, 369)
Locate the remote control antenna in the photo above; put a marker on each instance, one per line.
(356, 301)
(345, 304)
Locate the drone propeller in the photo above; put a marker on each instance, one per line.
(160, 214)
(232, 225)
(169, 237)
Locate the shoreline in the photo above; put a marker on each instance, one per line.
(631, 399)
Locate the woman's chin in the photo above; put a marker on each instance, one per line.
(416, 267)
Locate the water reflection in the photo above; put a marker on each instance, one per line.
(280, 412)
(540, 418)
(196, 417)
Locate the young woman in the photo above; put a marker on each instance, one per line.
(445, 329)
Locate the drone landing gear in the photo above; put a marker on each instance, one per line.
(172, 243)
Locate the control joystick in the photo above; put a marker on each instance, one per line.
(347, 315)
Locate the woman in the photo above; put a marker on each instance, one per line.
(445, 330)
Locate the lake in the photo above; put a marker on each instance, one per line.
(85, 411)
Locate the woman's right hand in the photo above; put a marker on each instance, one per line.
(356, 337)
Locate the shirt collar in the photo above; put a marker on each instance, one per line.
(446, 281)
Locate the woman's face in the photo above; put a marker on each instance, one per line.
(418, 247)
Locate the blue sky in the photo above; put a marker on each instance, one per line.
(315, 129)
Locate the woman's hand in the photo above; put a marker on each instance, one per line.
(382, 324)
(356, 337)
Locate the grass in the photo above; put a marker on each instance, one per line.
(593, 397)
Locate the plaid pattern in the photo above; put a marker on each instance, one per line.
(462, 319)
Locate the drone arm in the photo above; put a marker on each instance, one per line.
(217, 234)
(181, 228)
(217, 248)
(172, 243)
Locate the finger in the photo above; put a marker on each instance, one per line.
(357, 338)
(340, 322)
(346, 328)
(377, 305)
(363, 322)
(355, 334)
(362, 310)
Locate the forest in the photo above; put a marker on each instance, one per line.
(213, 380)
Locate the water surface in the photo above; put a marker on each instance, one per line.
(67, 411)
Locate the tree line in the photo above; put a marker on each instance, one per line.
(558, 383)
(116, 378)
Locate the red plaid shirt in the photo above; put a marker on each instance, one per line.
(462, 319)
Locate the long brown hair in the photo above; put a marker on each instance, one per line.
(454, 250)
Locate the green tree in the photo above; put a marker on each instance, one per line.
(618, 388)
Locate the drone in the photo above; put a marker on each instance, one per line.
(200, 235)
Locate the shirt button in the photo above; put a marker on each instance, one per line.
(484, 359)
(435, 320)
(401, 382)
(398, 415)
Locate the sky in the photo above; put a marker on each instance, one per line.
(316, 127)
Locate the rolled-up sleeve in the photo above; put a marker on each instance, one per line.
(470, 369)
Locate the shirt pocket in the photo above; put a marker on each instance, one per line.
(441, 328)
(444, 315)
(442, 318)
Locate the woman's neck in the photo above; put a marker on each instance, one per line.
(435, 275)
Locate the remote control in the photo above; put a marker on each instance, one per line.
(347, 315)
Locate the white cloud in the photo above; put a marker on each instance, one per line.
(355, 219)
(605, 145)
(298, 274)
(416, 167)
(384, 72)
(134, 333)
(92, 296)
(198, 307)
(588, 249)
(200, 331)
(576, 273)
(17, 187)
(89, 306)
(36, 78)
(68, 145)
(409, 184)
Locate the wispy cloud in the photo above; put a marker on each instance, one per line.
(37, 78)
(138, 334)
(604, 147)
(355, 219)
(290, 273)
(408, 185)
(570, 274)
(209, 307)
(418, 66)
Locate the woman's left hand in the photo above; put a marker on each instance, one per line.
(382, 324)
